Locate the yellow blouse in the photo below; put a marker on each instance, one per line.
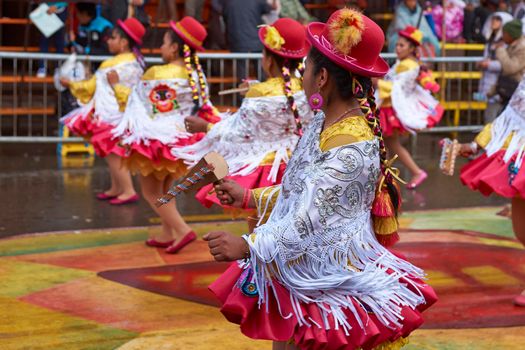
(273, 87)
(484, 137)
(85, 89)
(349, 130)
(166, 71)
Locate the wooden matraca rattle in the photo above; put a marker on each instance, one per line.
(449, 152)
(211, 168)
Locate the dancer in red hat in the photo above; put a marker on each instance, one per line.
(406, 102)
(103, 99)
(153, 123)
(257, 140)
(500, 170)
(315, 275)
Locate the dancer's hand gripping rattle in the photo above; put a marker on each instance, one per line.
(211, 168)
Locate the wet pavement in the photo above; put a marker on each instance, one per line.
(39, 192)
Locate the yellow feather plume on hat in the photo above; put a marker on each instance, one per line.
(273, 38)
(346, 30)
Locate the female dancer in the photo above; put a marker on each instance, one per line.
(257, 140)
(407, 104)
(500, 169)
(314, 275)
(104, 98)
(153, 123)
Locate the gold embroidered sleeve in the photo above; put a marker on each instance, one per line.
(349, 130)
(385, 89)
(484, 136)
(272, 87)
(166, 71)
(121, 94)
(83, 90)
(265, 199)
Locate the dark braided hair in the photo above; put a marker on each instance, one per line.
(288, 69)
(361, 88)
(192, 63)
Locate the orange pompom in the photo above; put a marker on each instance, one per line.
(346, 30)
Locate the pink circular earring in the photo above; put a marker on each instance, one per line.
(316, 101)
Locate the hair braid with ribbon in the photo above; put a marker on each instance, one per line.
(387, 201)
(193, 86)
(202, 82)
(287, 77)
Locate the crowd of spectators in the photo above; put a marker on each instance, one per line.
(232, 24)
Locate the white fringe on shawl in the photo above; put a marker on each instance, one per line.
(137, 125)
(319, 241)
(246, 137)
(104, 101)
(140, 123)
(331, 283)
(411, 102)
(510, 122)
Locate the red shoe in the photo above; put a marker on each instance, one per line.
(422, 176)
(129, 200)
(152, 242)
(187, 239)
(103, 196)
(520, 300)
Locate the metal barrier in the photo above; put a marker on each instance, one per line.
(30, 106)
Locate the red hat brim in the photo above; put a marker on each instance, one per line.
(129, 32)
(407, 36)
(285, 53)
(185, 38)
(314, 34)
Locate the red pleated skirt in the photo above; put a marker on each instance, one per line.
(492, 175)
(81, 125)
(239, 301)
(390, 123)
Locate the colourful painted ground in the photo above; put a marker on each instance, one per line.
(106, 290)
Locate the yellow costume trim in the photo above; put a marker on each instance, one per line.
(485, 136)
(83, 90)
(396, 345)
(349, 130)
(139, 164)
(265, 197)
(209, 127)
(273, 87)
(406, 64)
(385, 88)
(121, 94)
(166, 71)
(118, 59)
